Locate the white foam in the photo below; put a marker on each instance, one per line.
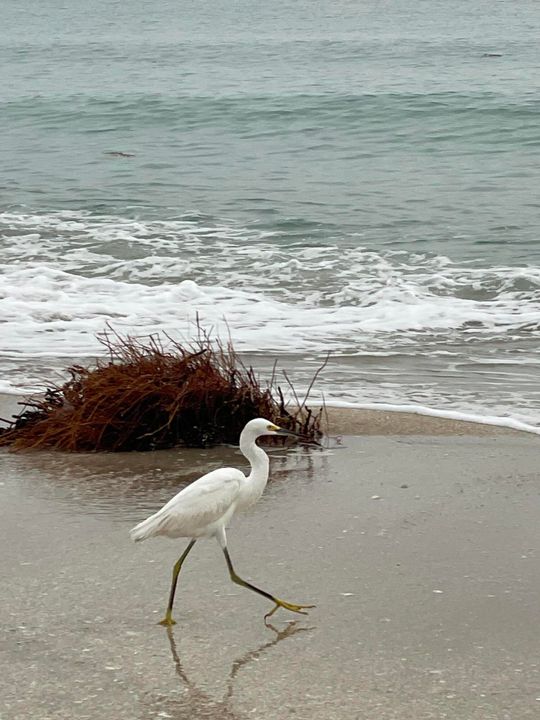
(499, 421)
(7, 388)
(65, 275)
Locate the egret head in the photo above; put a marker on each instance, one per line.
(260, 426)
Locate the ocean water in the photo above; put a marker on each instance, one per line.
(355, 177)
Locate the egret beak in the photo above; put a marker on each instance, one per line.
(299, 436)
(282, 431)
(290, 433)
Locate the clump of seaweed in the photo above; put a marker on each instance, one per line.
(147, 394)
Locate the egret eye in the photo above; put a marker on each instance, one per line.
(274, 428)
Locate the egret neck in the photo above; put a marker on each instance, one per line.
(258, 477)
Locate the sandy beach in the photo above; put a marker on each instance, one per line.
(352, 421)
(420, 552)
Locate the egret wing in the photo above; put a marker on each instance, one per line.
(195, 507)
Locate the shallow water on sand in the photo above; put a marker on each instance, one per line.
(426, 587)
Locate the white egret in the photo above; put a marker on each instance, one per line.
(204, 509)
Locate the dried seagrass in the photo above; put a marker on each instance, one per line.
(145, 395)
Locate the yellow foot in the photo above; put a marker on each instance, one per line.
(289, 606)
(167, 621)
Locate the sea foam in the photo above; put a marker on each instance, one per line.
(402, 326)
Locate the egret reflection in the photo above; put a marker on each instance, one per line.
(195, 703)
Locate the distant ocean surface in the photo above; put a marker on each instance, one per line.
(346, 176)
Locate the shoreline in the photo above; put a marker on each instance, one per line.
(368, 421)
(362, 421)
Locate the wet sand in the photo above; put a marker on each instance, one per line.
(421, 553)
(352, 421)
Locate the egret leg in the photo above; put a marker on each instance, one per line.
(278, 603)
(167, 620)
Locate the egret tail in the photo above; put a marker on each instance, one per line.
(146, 529)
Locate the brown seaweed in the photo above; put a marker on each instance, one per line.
(154, 393)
